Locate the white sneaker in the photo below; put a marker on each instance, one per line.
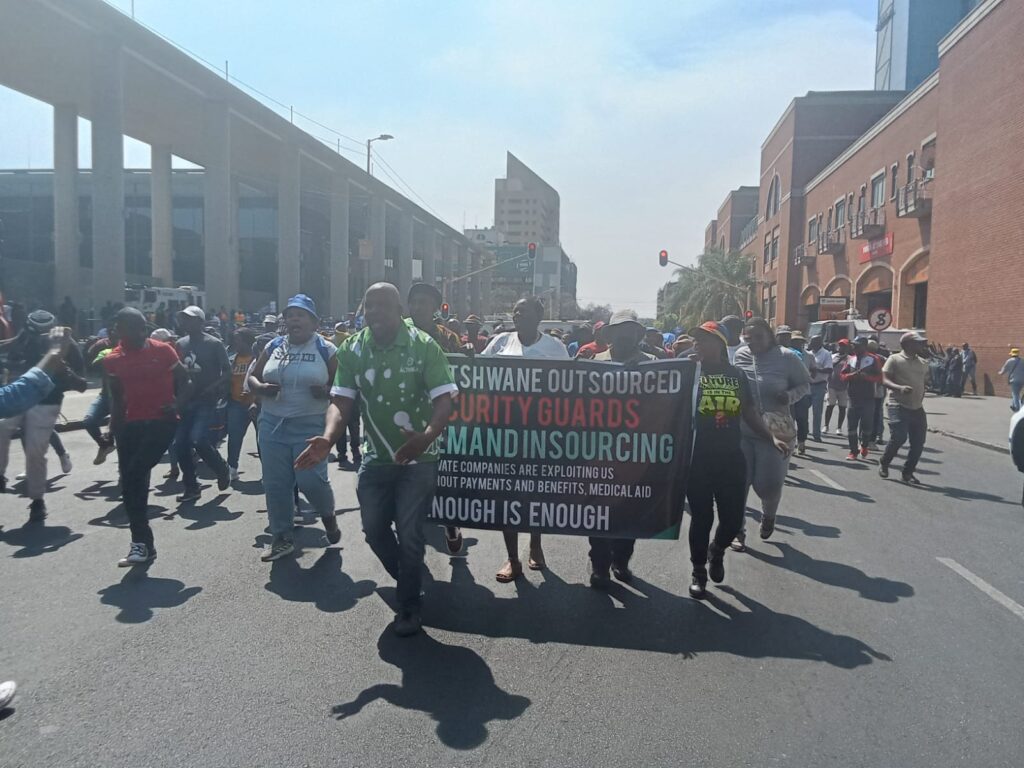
(233, 472)
(7, 691)
(138, 554)
(65, 463)
(20, 476)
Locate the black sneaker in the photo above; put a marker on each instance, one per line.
(331, 527)
(909, 479)
(190, 494)
(37, 511)
(3, 484)
(279, 547)
(224, 480)
(453, 539)
(883, 470)
(716, 564)
(407, 624)
(622, 573)
(599, 579)
(767, 526)
(698, 585)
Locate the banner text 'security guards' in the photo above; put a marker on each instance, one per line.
(571, 447)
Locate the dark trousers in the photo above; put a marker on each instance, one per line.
(195, 431)
(800, 410)
(395, 500)
(604, 553)
(906, 423)
(718, 480)
(140, 445)
(353, 434)
(878, 431)
(860, 422)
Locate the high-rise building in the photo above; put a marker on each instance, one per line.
(526, 208)
(909, 31)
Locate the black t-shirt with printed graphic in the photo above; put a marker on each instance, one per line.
(723, 390)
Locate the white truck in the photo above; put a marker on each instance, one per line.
(832, 331)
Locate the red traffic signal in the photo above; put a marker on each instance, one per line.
(748, 314)
(663, 258)
(531, 251)
(445, 311)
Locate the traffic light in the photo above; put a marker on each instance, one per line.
(748, 314)
(445, 311)
(531, 251)
(663, 258)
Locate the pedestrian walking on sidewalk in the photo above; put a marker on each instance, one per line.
(970, 359)
(777, 379)
(954, 373)
(904, 375)
(292, 378)
(142, 376)
(861, 372)
(1013, 370)
(405, 389)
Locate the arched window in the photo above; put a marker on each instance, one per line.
(773, 198)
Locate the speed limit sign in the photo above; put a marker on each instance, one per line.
(880, 318)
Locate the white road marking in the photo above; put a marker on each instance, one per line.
(827, 480)
(1010, 604)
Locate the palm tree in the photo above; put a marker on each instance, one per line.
(719, 285)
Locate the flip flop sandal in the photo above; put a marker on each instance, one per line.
(512, 570)
(537, 564)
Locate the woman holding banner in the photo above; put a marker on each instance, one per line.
(525, 341)
(778, 378)
(718, 471)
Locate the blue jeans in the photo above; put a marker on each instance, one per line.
(1015, 388)
(194, 431)
(281, 441)
(400, 495)
(96, 415)
(817, 405)
(238, 425)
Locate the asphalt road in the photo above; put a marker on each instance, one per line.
(843, 641)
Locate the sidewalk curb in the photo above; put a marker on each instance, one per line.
(972, 441)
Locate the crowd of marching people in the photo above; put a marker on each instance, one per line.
(306, 391)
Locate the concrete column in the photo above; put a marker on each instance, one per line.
(66, 280)
(462, 287)
(108, 256)
(474, 285)
(288, 233)
(403, 271)
(339, 263)
(378, 233)
(161, 212)
(485, 286)
(219, 257)
(430, 249)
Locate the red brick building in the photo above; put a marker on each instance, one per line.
(908, 201)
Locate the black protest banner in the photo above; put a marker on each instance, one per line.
(571, 447)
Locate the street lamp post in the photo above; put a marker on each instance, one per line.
(382, 137)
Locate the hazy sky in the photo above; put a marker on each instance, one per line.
(643, 114)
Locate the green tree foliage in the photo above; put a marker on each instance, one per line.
(719, 285)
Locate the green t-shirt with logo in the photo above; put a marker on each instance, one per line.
(396, 385)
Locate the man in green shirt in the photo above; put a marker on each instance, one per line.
(405, 390)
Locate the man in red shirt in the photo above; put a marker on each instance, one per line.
(142, 375)
(861, 371)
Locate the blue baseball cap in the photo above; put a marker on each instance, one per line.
(302, 301)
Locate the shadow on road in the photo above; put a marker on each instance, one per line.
(118, 518)
(962, 494)
(450, 683)
(649, 619)
(324, 585)
(806, 528)
(836, 574)
(798, 482)
(208, 514)
(37, 538)
(101, 489)
(137, 595)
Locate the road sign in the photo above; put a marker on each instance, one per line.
(880, 318)
(523, 265)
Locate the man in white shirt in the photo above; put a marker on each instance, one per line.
(525, 341)
(819, 364)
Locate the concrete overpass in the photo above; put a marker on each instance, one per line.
(87, 59)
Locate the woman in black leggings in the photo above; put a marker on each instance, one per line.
(718, 470)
